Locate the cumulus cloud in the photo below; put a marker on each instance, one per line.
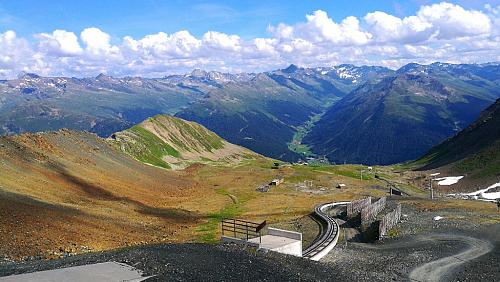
(60, 42)
(439, 32)
(160, 45)
(98, 42)
(438, 21)
(219, 40)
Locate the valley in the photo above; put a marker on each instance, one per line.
(250, 141)
(302, 130)
(272, 113)
(167, 181)
(84, 187)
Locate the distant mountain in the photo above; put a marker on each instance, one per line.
(102, 104)
(267, 112)
(262, 113)
(401, 116)
(171, 142)
(474, 151)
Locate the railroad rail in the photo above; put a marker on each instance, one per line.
(329, 232)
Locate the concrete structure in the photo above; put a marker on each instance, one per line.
(281, 241)
(106, 271)
(276, 240)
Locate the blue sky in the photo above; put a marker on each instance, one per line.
(154, 38)
(138, 18)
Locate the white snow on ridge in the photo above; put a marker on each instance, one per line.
(481, 194)
(450, 180)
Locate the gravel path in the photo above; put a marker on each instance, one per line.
(455, 248)
(441, 269)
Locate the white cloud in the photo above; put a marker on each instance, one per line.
(439, 32)
(160, 45)
(98, 42)
(320, 27)
(438, 21)
(60, 42)
(16, 54)
(219, 40)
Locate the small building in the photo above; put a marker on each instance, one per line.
(277, 181)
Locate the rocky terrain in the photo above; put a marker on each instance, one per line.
(422, 237)
(68, 192)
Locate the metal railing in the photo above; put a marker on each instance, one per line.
(242, 229)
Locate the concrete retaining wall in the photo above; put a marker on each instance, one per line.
(284, 233)
(294, 249)
(225, 239)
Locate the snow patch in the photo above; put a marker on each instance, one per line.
(450, 180)
(482, 194)
(436, 218)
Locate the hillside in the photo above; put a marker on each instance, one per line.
(474, 151)
(171, 142)
(401, 117)
(68, 191)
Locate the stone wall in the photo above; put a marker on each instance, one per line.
(370, 212)
(389, 221)
(354, 207)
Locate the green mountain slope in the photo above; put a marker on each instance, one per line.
(398, 118)
(263, 113)
(171, 142)
(474, 151)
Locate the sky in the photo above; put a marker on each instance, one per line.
(157, 38)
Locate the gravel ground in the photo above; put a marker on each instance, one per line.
(420, 240)
(195, 262)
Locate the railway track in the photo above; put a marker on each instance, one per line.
(329, 232)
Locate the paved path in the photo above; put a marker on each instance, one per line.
(106, 271)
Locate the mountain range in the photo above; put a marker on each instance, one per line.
(403, 115)
(366, 114)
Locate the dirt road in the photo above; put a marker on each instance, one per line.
(442, 269)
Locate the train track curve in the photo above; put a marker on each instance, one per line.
(329, 232)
